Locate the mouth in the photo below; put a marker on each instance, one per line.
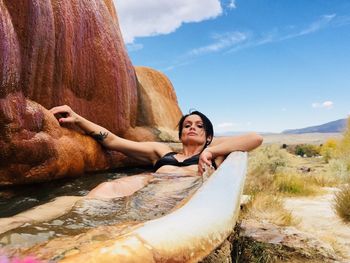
(192, 133)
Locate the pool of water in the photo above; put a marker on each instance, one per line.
(16, 199)
(161, 195)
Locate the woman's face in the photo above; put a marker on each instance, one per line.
(193, 131)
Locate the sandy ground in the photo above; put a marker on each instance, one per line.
(310, 138)
(317, 217)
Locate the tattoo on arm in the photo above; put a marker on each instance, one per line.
(99, 137)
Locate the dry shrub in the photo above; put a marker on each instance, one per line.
(324, 179)
(265, 206)
(343, 147)
(345, 142)
(339, 249)
(342, 203)
(338, 169)
(296, 184)
(263, 164)
(328, 149)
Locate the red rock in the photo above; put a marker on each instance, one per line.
(53, 53)
(70, 52)
(57, 52)
(35, 148)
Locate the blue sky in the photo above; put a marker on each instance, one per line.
(249, 65)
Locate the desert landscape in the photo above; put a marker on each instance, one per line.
(304, 138)
(298, 189)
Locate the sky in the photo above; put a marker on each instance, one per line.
(249, 65)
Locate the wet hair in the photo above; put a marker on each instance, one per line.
(207, 125)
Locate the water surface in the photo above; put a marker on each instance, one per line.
(161, 195)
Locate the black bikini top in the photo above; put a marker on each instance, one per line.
(169, 159)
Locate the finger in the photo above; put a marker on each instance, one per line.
(66, 120)
(200, 168)
(58, 109)
(206, 161)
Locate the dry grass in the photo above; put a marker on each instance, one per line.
(274, 170)
(268, 207)
(342, 203)
(338, 248)
(263, 164)
(296, 184)
(323, 179)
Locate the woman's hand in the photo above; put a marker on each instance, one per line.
(205, 161)
(65, 114)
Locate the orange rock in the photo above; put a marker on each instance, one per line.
(33, 146)
(158, 110)
(71, 52)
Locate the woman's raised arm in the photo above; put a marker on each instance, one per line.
(146, 151)
(222, 146)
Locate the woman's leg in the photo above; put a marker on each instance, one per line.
(59, 206)
(120, 187)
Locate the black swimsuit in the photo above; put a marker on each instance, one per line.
(169, 159)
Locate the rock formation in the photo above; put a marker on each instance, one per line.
(158, 111)
(63, 52)
(69, 52)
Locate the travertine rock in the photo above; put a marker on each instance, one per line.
(158, 110)
(35, 148)
(71, 52)
(68, 52)
(60, 52)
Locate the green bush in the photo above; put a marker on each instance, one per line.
(307, 150)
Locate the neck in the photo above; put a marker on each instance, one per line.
(190, 150)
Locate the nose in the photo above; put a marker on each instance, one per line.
(192, 127)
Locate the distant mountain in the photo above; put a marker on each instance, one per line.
(333, 126)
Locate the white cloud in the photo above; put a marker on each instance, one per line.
(282, 34)
(284, 109)
(326, 104)
(154, 17)
(222, 41)
(317, 25)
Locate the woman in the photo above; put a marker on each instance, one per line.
(200, 150)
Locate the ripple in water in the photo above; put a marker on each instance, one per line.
(156, 199)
